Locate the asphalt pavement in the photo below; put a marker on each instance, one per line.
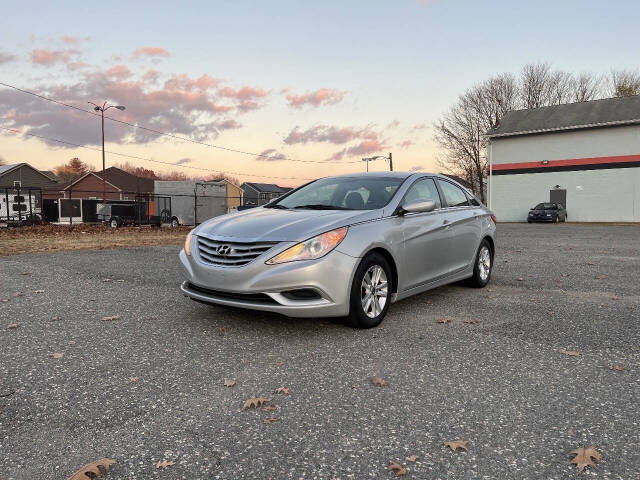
(148, 385)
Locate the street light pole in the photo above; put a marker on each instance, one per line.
(380, 157)
(103, 109)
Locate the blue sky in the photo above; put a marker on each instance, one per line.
(402, 60)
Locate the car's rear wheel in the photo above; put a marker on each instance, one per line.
(483, 266)
(370, 292)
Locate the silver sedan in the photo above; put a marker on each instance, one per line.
(343, 246)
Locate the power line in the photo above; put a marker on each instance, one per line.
(171, 135)
(148, 159)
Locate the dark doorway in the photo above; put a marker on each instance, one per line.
(558, 195)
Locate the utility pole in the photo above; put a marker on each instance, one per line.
(390, 162)
(103, 109)
(366, 160)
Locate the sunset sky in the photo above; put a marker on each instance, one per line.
(328, 81)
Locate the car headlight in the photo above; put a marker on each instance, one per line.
(187, 243)
(311, 249)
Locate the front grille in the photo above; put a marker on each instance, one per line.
(244, 297)
(230, 254)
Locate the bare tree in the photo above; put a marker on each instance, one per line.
(559, 87)
(534, 85)
(586, 86)
(624, 83)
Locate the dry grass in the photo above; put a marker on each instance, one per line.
(60, 238)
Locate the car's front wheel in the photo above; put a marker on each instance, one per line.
(370, 292)
(483, 266)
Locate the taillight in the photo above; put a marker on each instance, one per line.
(493, 217)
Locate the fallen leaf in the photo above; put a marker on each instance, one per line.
(396, 468)
(55, 319)
(38, 291)
(164, 464)
(283, 390)
(616, 368)
(26, 273)
(379, 382)
(443, 320)
(269, 420)
(268, 408)
(57, 355)
(221, 331)
(254, 402)
(570, 353)
(279, 364)
(472, 322)
(93, 469)
(5, 300)
(18, 294)
(600, 277)
(584, 457)
(229, 383)
(133, 379)
(12, 325)
(111, 318)
(455, 445)
(412, 458)
(520, 279)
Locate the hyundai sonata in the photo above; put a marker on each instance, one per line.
(343, 246)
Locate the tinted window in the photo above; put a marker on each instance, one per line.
(422, 191)
(453, 195)
(546, 206)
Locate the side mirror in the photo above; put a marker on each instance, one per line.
(419, 207)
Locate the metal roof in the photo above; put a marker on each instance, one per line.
(5, 168)
(607, 112)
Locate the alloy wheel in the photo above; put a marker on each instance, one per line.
(484, 263)
(374, 291)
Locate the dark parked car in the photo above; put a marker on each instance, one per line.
(547, 212)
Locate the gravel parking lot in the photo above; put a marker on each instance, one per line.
(148, 386)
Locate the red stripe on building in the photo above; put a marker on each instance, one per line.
(567, 163)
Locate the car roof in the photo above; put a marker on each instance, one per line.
(393, 174)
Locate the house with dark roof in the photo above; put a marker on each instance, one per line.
(118, 185)
(583, 155)
(23, 175)
(257, 194)
(21, 188)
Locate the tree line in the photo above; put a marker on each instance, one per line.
(461, 131)
(75, 168)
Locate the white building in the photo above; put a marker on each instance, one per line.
(585, 155)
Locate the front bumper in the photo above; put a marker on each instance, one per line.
(541, 219)
(258, 286)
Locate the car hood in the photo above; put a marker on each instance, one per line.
(271, 224)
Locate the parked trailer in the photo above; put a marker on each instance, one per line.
(191, 202)
(20, 205)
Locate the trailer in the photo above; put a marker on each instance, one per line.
(191, 202)
(20, 205)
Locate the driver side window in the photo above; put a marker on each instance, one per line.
(422, 191)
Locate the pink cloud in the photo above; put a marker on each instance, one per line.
(49, 58)
(119, 72)
(330, 134)
(271, 155)
(421, 126)
(406, 144)
(184, 82)
(184, 161)
(71, 40)
(181, 108)
(151, 76)
(363, 148)
(416, 168)
(150, 52)
(322, 96)
(394, 124)
(244, 93)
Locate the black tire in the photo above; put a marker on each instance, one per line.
(358, 318)
(477, 280)
(528, 221)
(114, 223)
(557, 219)
(174, 222)
(165, 215)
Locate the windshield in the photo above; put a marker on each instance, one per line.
(544, 206)
(342, 193)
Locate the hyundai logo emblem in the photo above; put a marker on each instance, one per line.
(224, 250)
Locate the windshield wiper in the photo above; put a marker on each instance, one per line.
(320, 206)
(277, 205)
